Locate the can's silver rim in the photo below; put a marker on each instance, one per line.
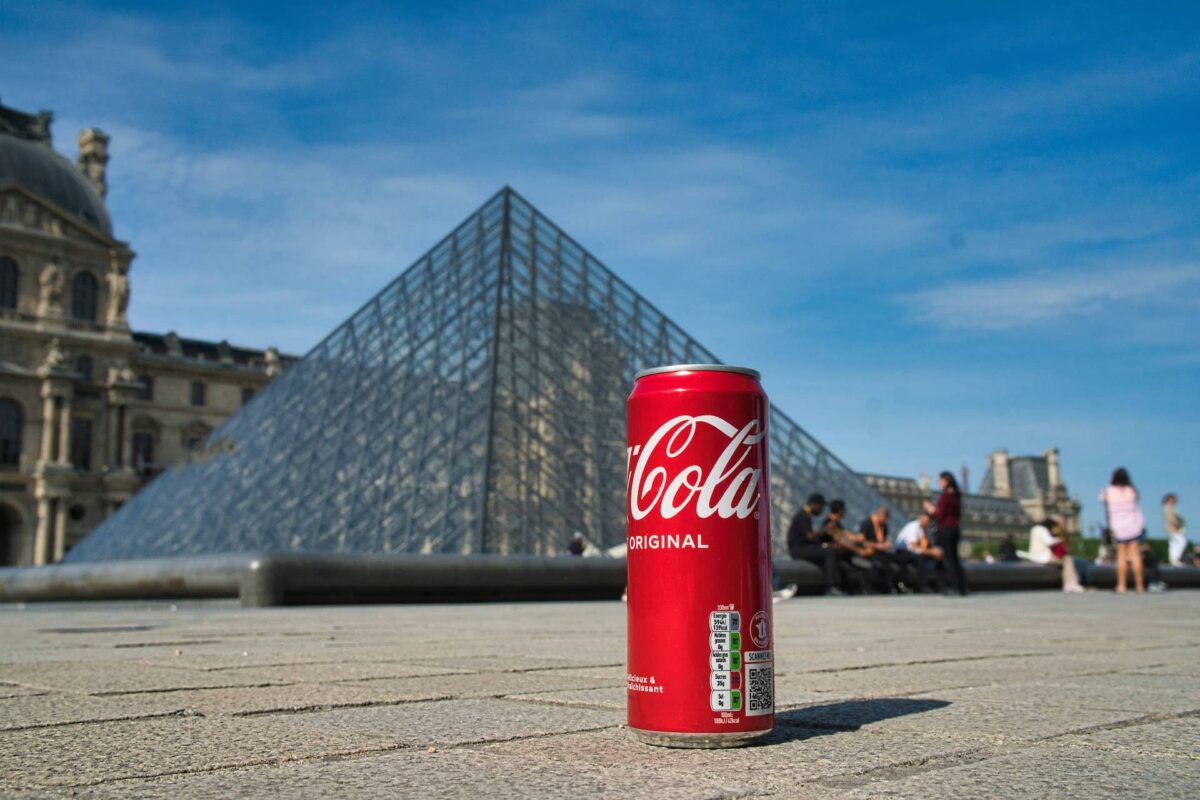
(753, 373)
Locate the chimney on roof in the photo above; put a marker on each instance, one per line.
(1053, 471)
(93, 158)
(1001, 475)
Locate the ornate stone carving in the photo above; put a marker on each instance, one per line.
(93, 157)
(52, 285)
(118, 292)
(10, 210)
(271, 360)
(17, 210)
(56, 357)
(121, 374)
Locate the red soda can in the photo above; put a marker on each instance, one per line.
(700, 670)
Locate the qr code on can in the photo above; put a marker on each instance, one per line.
(760, 689)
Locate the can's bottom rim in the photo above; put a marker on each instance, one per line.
(700, 741)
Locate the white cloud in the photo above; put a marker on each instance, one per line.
(1047, 297)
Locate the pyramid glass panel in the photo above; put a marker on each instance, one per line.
(475, 405)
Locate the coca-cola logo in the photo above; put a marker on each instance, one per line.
(728, 487)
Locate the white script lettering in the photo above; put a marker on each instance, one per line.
(654, 487)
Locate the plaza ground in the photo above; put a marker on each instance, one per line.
(994, 695)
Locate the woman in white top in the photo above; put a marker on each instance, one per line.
(1127, 524)
(1048, 545)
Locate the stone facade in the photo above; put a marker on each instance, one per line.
(1016, 492)
(89, 410)
(1036, 483)
(984, 518)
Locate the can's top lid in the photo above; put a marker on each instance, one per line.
(753, 373)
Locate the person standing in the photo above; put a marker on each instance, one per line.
(946, 514)
(1176, 532)
(1127, 524)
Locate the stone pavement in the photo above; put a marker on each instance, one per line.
(1035, 694)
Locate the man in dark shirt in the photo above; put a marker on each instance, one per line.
(888, 566)
(1008, 549)
(806, 543)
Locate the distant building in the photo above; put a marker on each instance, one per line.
(1015, 493)
(984, 517)
(1035, 482)
(89, 410)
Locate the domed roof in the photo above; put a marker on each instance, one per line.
(38, 168)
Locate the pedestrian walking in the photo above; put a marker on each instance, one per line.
(1173, 525)
(946, 515)
(1127, 524)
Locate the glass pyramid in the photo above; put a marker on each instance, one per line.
(475, 405)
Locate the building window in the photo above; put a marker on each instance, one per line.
(143, 450)
(145, 387)
(83, 365)
(76, 512)
(10, 433)
(10, 536)
(247, 394)
(195, 435)
(84, 297)
(10, 278)
(81, 443)
(198, 392)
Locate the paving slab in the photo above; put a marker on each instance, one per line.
(1059, 774)
(432, 773)
(80, 755)
(996, 695)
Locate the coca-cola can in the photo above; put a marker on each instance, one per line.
(700, 666)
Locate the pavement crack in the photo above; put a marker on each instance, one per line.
(318, 707)
(920, 662)
(126, 692)
(906, 769)
(1135, 722)
(182, 712)
(555, 703)
(186, 643)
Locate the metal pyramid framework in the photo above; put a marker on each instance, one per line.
(475, 405)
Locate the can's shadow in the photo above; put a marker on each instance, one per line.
(845, 715)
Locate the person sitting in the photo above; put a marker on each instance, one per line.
(806, 543)
(1150, 564)
(913, 539)
(1008, 549)
(853, 549)
(1048, 545)
(874, 530)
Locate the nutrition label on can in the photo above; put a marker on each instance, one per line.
(725, 660)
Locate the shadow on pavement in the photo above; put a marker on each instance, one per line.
(845, 715)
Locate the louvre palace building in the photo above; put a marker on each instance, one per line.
(89, 409)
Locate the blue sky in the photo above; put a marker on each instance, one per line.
(937, 229)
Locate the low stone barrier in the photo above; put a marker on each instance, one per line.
(271, 579)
